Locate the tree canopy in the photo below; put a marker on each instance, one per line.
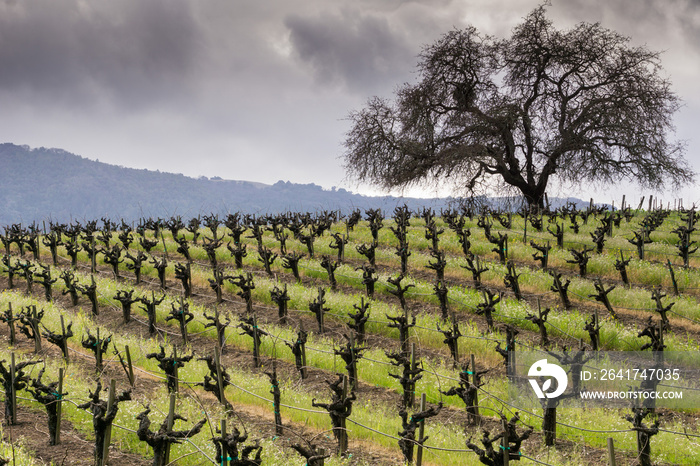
(578, 105)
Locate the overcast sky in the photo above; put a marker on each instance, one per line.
(259, 89)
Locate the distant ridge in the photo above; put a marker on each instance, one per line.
(40, 184)
(52, 184)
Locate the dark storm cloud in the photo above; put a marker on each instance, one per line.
(256, 90)
(669, 26)
(358, 50)
(661, 13)
(121, 50)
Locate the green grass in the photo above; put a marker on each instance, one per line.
(16, 452)
(613, 335)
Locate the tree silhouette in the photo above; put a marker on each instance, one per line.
(575, 105)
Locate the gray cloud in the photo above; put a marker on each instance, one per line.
(358, 50)
(258, 90)
(81, 51)
(671, 27)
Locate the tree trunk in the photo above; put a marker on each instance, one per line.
(533, 196)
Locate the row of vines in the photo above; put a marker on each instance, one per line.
(362, 330)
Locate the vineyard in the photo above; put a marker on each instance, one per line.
(372, 338)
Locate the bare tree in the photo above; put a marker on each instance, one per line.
(578, 105)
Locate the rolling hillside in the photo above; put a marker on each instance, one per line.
(38, 184)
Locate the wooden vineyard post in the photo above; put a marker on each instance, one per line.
(346, 239)
(595, 331)
(412, 398)
(509, 353)
(505, 444)
(224, 450)
(108, 430)
(189, 275)
(219, 378)
(475, 382)
(321, 327)
(355, 353)
(37, 333)
(57, 435)
(343, 434)
(130, 366)
(456, 347)
(219, 333)
(13, 392)
(64, 342)
(175, 373)
(170, 423)
(93, 256)
(611, 452)
(511, 359)
(673, 277)
(419, 452)
(165, 249)
(126, 365)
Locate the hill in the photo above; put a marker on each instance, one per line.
(39, 184)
